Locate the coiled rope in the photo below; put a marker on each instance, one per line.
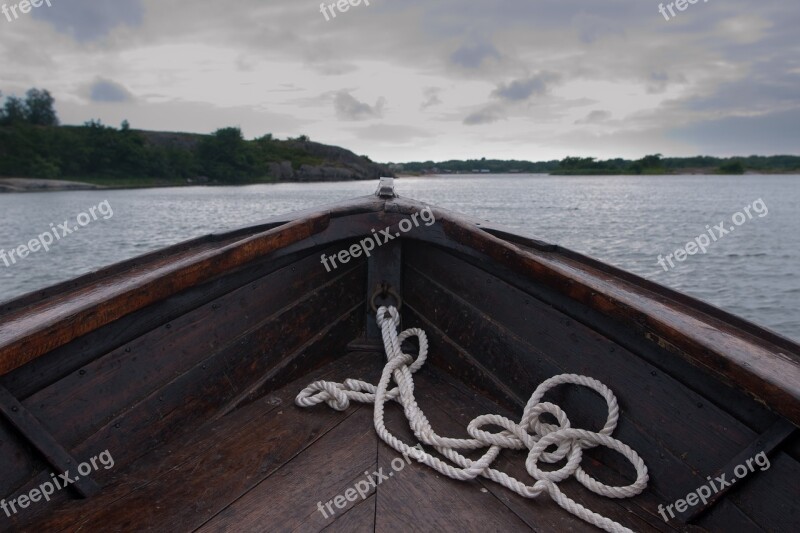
(529, 433)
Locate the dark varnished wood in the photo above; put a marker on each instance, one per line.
(286, 501)
(767, 442)
(43, 441)
(216, 379)
(680, 416)
(254, 443)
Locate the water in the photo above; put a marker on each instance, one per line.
(626, 221)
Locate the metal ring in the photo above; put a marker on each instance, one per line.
(382, 290)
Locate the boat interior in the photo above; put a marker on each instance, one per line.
(184, 364)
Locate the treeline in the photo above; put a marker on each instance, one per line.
(495, 166)
(656, 164)
(650, 164)
(32, 144)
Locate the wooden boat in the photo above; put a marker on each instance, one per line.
(181, 368)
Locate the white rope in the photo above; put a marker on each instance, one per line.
(529, 433)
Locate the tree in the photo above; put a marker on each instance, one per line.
(651, 161)
(649, 164)
(226, 156)
(573, 163)
(94, 124)
(39, 108)
(125, 126)
(14, 111)
(731, 167)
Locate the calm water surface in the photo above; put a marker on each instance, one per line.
(626, 221)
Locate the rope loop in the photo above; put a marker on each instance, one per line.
(530, 433)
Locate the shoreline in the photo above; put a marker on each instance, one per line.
(11, 185)
(27, 185)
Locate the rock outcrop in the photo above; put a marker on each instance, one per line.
(339, 164)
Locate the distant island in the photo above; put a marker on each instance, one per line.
(588, 166)
(38, 154)
(34, 145)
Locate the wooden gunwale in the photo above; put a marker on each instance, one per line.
(761, 363)
(37, 329)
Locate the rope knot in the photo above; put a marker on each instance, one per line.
(530, 433)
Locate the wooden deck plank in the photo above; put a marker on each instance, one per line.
(190, 481)
(360, 518)
(765, 443)
(302, 495)
(770, 496)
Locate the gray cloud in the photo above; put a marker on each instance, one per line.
(595, 117)
(472, 55)
(431, 95)
(487, 115)
(89, 20)
(393, 133)
(108, 91)
(523, 89)
(348, 108)
(768, 134)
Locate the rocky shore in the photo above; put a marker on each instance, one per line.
(38, 185)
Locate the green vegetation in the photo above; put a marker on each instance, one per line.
(32, 144)
(731, 167)
(651, 164)
(495, 166)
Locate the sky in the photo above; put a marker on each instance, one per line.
(416, 80)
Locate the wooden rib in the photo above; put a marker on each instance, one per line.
(42, 440)
(767, 442)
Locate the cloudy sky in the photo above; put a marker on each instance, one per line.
(427, 79)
